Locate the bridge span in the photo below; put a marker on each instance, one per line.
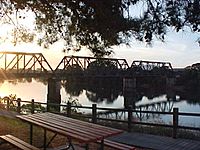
(21, 64)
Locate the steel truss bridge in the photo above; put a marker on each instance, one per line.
(20, 64)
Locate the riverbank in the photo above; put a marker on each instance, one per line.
(11, 125)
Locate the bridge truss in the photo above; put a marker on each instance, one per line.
(151, 68)
(21, 64)
(76, 65)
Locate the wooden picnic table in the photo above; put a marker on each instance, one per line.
(81, 131)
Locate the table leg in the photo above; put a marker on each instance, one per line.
(31, 134)
(51, 140)
(70, 145)
(102, 144)
(86, 146)
(45, 138)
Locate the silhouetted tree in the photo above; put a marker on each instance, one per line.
(99, 24)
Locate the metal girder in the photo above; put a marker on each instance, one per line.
(83, 62)
(149, 65)
(26, 64)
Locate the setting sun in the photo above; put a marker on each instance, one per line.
(5, 90)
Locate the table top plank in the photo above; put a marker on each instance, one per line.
(66, 127)
(71, 123)
(80, 130)
(53, 129)
(91, 125)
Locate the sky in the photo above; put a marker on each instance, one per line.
(180, 49)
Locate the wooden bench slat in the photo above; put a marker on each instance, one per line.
(18, 142)
(23, 142)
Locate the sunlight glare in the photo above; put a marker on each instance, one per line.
(5, 91)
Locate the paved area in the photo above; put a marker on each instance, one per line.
(145, 141)
(156, 142)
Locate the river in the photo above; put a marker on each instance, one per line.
(108, 96)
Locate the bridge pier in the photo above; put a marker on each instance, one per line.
(129, 92)
(53, 95)
(171, 94)
(170, 82)
(129, 84)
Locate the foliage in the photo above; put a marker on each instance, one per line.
(99, 24)
(74, 102)
(12, 101)
(190, 78)
(102, 67)
(73, 88)
(37, 107)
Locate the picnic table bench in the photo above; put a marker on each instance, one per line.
(81, 131)
(17, 142)
(117, 145)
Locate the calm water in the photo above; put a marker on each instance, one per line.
(109, 96)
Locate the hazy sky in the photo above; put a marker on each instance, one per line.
(181, 49)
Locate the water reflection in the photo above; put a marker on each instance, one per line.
(97, 90)
(107, 91)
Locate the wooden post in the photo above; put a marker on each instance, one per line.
(18, 105)
(31, 134)
(175, 122)
(94, 113)
(129, 117)
(32, 106)
(45, 139)
(140, 114)
(8, 104)
(69, 109)
(48, 108)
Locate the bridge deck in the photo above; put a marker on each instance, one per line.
(156, 142)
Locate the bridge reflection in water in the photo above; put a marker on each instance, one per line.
(165, 105)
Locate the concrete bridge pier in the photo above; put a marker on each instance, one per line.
(53, 95)
(170, 82)
(171, 94)
(129, 92)
(129, 84)
(170, 91)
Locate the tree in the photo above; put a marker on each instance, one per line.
(100, 24)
